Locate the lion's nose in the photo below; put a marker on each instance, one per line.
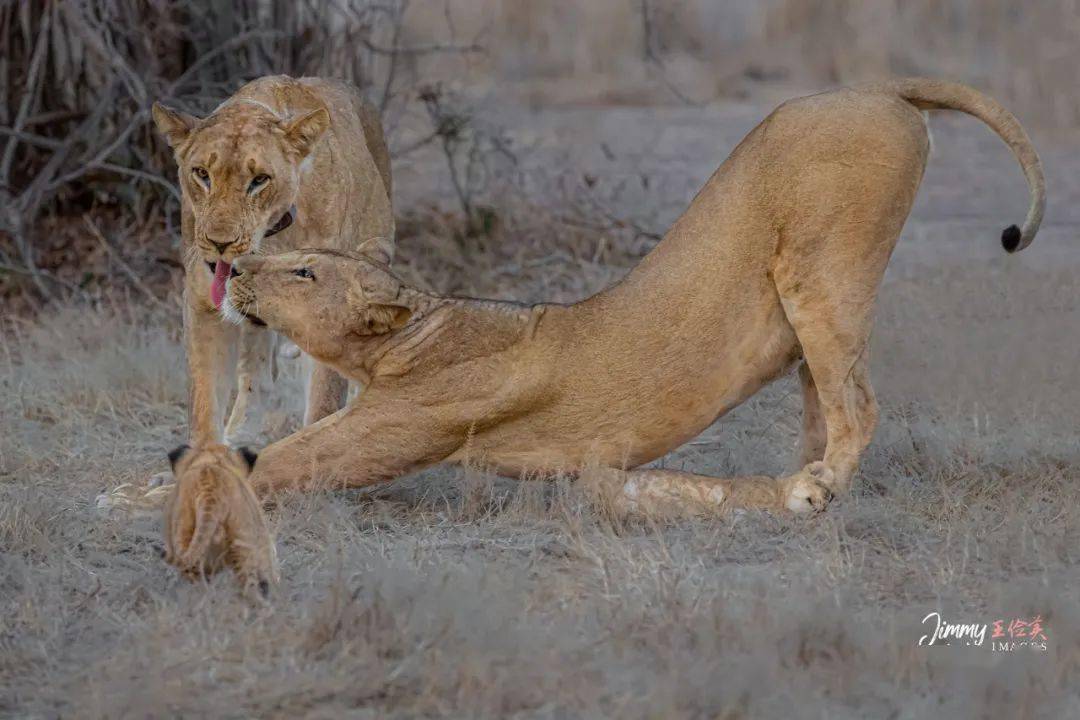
(221, 246)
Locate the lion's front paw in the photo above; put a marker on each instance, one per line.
(133, 498)
(808, 491)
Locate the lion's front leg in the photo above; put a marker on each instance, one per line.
(206, 340)
(325, 391)
(377, 438)
(254, 387)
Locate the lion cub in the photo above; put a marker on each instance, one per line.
(213, 519)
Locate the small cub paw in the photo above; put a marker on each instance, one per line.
(808, 491)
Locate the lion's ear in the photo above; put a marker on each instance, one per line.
(375, 295)
(177, 455)
(249, 455)
(174, 125)
(375, 317)
(376, 248)
(302, 134)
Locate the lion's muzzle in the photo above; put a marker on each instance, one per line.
(239, 301)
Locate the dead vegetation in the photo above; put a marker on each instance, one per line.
(454, 594)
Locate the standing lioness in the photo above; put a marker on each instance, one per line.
(284, 163)
(776, 263)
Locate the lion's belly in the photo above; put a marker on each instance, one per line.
(620, 414)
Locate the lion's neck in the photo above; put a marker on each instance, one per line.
(445, 332)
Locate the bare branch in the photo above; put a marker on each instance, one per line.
(132, 275)
(206, 58)
(30, 94)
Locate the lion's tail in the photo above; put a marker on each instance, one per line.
(928, 94)
(208, 518)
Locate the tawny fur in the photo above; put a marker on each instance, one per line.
(322, 147)
(213, 520)
(776, 263)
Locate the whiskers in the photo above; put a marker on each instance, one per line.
(231, 312)
(192, 255)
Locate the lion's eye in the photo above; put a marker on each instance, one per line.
(257, 183)
(304, 273)
(202, 175)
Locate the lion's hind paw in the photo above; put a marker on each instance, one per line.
(133, 498)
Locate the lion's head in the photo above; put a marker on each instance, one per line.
(240, 171)
(319, 298)
(220, 461)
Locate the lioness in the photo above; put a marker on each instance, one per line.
(776, 263)
(213, 519)
(282, 164)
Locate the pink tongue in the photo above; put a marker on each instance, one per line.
(217, 291)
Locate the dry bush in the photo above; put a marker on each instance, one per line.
(78, 76)
(76, 85)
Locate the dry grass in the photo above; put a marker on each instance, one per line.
(454, 594)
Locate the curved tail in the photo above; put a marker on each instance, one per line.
(208, 518)
(927, 94)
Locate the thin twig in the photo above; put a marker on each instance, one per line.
(205, 58)
(38, 272)
(416, 145)
(384, 101)
(132, 275)
(50, 144)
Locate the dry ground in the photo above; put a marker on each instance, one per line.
(451, 594)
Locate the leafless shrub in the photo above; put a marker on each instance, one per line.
(80, 77)
(472, 148)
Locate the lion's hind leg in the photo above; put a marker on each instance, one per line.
(814, 431)
(672, 493)
(843, 223)
(833, 328)
(252, 551)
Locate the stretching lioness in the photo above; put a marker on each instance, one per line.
(213, 519)
(776, 263)
(282, 164)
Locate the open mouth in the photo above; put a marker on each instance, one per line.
(222, 272)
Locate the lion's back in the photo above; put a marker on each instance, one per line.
(353, 161)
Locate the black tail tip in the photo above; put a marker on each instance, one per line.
(1010, 238)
